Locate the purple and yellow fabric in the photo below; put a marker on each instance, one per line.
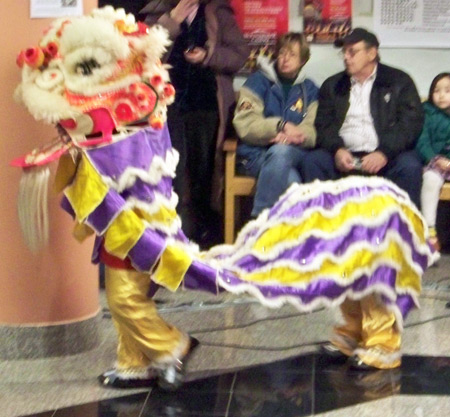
(319, 244)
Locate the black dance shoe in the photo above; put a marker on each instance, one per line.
(112, 380)
(172, 377)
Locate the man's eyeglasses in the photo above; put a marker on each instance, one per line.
(350, 52)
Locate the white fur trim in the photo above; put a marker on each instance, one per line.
(318, 302)
(43, 105)
(379, 355)
(177, 354)
(159, 168)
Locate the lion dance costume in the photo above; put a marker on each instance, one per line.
(357, 243)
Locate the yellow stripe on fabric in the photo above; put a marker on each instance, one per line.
(123, 233)
(164, 216)
(416, 222)
(372, 208)
(87, 190)
(172, 267)
(343, 269)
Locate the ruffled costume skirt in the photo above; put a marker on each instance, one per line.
(320, 244)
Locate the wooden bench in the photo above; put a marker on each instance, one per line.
(445, 192)
(238, 186)
(235, 186)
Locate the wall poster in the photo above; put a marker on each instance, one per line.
(261, 22)
(326, 20)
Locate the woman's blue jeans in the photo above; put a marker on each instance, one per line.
(276, 167)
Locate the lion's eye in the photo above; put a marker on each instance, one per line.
(86, 67)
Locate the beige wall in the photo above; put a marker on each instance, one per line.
(59, 284)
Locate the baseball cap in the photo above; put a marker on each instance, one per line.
(357, 35)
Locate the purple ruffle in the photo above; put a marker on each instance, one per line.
(327, 200)
(147, 251)
(328, 290)
(146, 192)
(137, 151)
(105, 213)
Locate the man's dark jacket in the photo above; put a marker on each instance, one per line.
(394, 104)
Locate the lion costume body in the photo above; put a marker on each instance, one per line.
(357, 242)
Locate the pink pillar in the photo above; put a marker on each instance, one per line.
(58, 285)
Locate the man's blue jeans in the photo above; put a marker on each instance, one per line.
(276, 167)
(405, 171)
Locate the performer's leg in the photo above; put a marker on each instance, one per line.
(146, 341)
(347, 336)
(381, 339)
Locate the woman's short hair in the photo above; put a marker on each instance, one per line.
(294, 37)
(436, 79)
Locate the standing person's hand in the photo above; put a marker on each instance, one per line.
(183, 9)
(196, 55)
(344, 160)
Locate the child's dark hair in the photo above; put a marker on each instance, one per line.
(436, 79)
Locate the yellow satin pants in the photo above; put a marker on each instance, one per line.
(370, 332)
(145, 339)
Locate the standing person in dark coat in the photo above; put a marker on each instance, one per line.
(368, 120)
(208, 49)
(130, 6)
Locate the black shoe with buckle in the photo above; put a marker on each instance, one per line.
(333, 353)
(357, 364)
(112, 379)
(172, 377)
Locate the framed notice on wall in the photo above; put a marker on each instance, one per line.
(326, 20)
(55, 8)
(261, 22)
(412, 23)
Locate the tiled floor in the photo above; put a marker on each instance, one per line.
(252, 362)
(302, 386)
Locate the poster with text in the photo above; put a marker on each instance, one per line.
(261, 22)
(412, 23)
(326, 20)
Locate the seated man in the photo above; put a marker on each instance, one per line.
(368, 120)
(274, 119)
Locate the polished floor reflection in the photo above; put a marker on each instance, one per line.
(252, 362)
(303, 386)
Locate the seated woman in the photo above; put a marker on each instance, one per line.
(274, 119)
